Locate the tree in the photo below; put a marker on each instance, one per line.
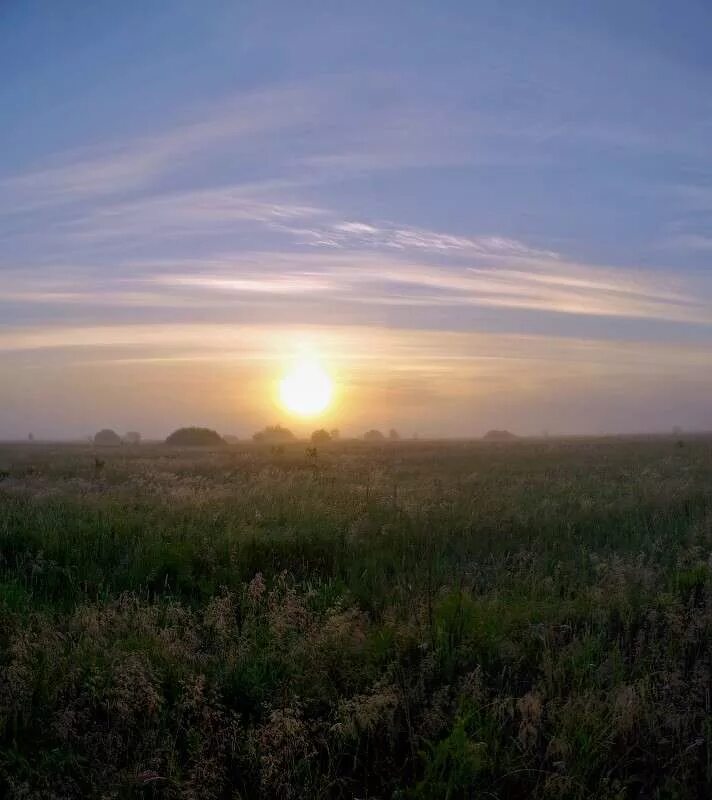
(195, 437)
(107, 438)
(132, 437)
(335, 434)
(274, 434)
(321, 436)
(373, 436)
(393, 435)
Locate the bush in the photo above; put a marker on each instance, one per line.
(274, 434)
(195, 437)
(321, 436)
(107, 438)
(499, 436)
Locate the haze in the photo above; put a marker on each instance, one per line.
(477, 215)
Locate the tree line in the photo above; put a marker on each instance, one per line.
(206, 437)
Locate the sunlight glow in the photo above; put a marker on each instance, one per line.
(306, 389)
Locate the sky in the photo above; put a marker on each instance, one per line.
(475, 214)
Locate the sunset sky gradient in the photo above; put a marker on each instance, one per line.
(478, 215)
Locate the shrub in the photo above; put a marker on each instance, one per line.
(499, 436)
(274, 434)
(107, 438)
(195, 437)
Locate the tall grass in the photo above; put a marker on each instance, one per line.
(404, 620)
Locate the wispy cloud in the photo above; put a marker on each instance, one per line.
(354, 280)
(399, 237)
(312, 132)
(548, 285)
(357, 347)
(190, 213)
(307, 132)
(115, 168)
(279, 284)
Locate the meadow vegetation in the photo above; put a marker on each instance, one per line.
(390, 620)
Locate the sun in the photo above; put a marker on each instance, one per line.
(306, 390)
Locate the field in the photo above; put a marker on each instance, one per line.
(413, 620)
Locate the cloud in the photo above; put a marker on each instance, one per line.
(398, 237)
(190, 213)
(345, 276)
(474, 273)
(273, 208)
(353, 278)
(116, 168)
(280, 284)
(367, 350)
(307, 132)
(310, 133)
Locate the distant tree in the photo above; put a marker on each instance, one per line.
(107, 438)
(274, 434)
(31, 437)
(132, 437)
(321, 436)
(499, 436)
(335, 434)
(195, 437)
(393, 435)
(230, 438)
(373, 436)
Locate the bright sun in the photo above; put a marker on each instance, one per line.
(306, 389)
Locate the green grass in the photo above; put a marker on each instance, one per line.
(413, 620)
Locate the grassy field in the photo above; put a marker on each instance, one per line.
(413, 620)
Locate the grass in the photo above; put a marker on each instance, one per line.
(412, 620)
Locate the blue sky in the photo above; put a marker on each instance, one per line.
(479, 214)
